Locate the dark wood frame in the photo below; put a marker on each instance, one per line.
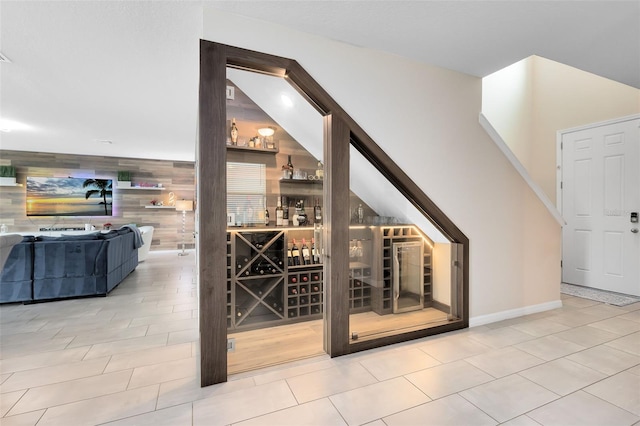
(340, 131)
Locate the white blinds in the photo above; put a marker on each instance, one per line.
(246, 193)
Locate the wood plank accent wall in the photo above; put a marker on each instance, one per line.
(128, 205)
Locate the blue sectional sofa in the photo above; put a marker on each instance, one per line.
(49, 268)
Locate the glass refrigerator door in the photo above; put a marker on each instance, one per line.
(408, 289)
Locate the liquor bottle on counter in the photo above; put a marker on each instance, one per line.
(306, 256)
(279, 213)
(317, 212)
(290, 167)
(266, 215)
(360, 214)
(234, 132)
(294, 219)
(295, 253)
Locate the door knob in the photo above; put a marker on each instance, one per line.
(634, 230)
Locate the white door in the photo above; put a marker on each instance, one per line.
(600, 198)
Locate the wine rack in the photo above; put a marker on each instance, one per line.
(383, 303)
(359, 287)
(304, 292)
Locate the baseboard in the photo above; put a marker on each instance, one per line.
(514, 313)
(440, 306)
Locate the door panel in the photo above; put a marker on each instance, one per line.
(601, 189)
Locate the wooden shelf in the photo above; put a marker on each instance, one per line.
(160, 207)
(11, 184)
(140, 188)
(248, 149)
(316, 181)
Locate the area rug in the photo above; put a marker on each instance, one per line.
(603, 296)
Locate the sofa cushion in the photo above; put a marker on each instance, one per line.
(82, 237)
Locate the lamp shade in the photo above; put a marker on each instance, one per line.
(184, 205)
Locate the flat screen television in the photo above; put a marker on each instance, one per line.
(69, 196)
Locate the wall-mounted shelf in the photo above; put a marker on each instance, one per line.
(11, 184)
(318, 181)
(160, 207)
(249, 149)
(140, 188)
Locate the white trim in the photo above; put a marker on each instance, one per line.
(514, 313)
(500, 143)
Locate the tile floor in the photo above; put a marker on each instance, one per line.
(131, 359)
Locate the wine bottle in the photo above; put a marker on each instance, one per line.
(317, 212)
(306, 257)
(302, 215)
(285, 211)
(279, 213)
(295, 253)
(289, 257)
(266, 215)
(234, 132)
(290, 167)
(315, 254)
(360, 213)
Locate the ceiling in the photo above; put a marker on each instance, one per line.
(120, 78)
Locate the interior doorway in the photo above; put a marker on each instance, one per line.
(600, 194)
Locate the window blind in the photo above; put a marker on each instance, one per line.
(246, 193)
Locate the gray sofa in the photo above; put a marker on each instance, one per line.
(48, 268)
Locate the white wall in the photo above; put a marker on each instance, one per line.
(558, 97)
(426, 119)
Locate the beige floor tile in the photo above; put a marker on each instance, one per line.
(630, 343)
(54, 374)
(387, 366)
(631, 307)
(578, 302)
(449, 350)
(127, 345)
(287, 372)
(605, 359)
(181, 391)
(159, 319)
(184, 336)
(71, 391)
(28, 348)
(587, 336)
(378, 422)
(617, 325)
(503, 362)
(562, 376)
(581, 408)
(18, 327)
(502, 337)
(178, 325)
(378, 400)
(148, 357)
(4, 377)
(241, 405)
(42, 359)
(26, 419)
(164, 372)
(622, 390)
(323, 383)
(448, 378)
(22, 338)
(452, 410)
(604, 311)
(180, 415)
(8, 400)
(549, 347)
(633, 315)
(102, 409)
(635, 370)
(541, 327)
(509, 397)
(315, 413)
(521, 421)
(575, 318)
(98, 327)
(91, 338)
